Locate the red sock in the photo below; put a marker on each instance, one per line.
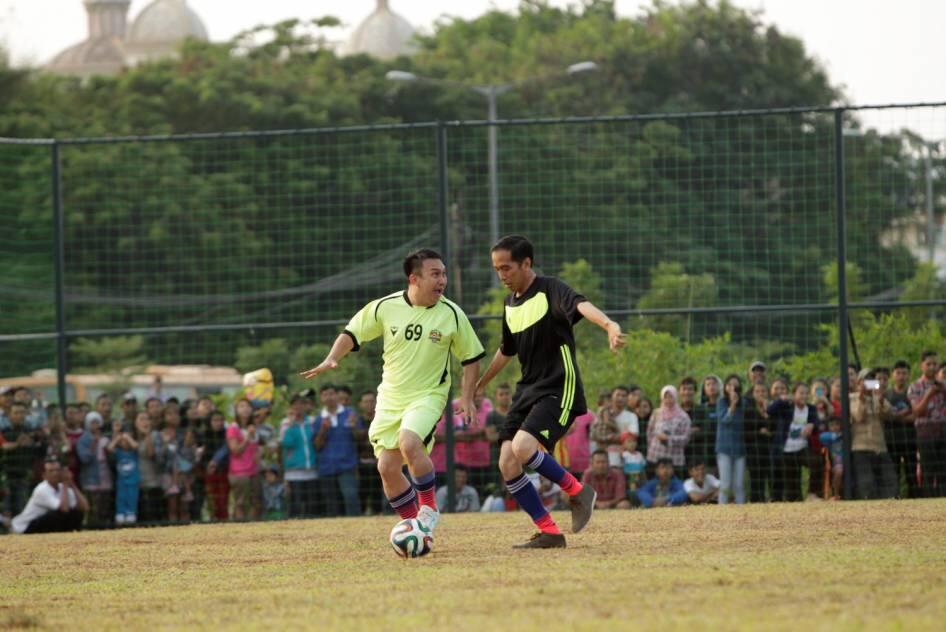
(428, 497)
(547, 525)
(570, 485)
(407, 511)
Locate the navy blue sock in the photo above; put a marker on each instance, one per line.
(547, 466)
(527, 497)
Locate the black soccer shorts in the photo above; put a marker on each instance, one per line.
(545, 421)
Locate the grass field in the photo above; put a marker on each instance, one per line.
(837, 566)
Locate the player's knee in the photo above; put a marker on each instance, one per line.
(524, 447)
(411, 445)
(388, 466)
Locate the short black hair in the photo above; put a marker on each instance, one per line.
(368, 392)
(296, 398)
(101, 397)
(504, 386)
(665, 461)
(603, 453)
(344, 388)
(927, 354)
(901, 364)
(882, 369)
(153, 399)
(414, 262)
(634, 387)
(327, 387)
(620, 387)
(688, 380)
(51, 459)
(216, 412)
(460, 467)
(518, 246)
(695, 461)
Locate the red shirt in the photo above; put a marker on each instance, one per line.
(610, 487)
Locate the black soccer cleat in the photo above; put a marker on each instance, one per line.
(582, 505)
(542, 540)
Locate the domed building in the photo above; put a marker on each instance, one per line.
(160, 28)
(103, 53)
(112, 45)
(383, 34)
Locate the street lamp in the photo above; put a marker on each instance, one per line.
(491, 92)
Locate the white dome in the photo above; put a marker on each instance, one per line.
(166, 22)
(383, 34)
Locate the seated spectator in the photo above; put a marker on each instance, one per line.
(832, 440)
(702, 488)
(497, 499)
(668, 431)
(664, 490)
(874, 476)
(608, 482)
(466, 496)
(634, 463)
(56, 504)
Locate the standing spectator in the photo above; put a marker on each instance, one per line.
(74, 428)
(129, 411)
(664, 490)
(370, 494)
(466, 495)
(702, 488)
(900, 433)
(151, 505)
(578, 443)
(495, 421)
(758, 441)
(215, 453)
(928, 398)
(20, 448)
(668, 431)
(833, 441)
(168, 456)
(873, 472)
(730, 442)
(336, 429)
(605, 435)
(298, 458)
(834, 396)
(795, 421)
(687, 396)
(702, 442)
(816, 454)
(343, 392)
(634, 395)
(756, 373)
(617, 419)
(246, 486)
(56, 505)
(644, 411)
(125, 450)
(95, 475)
(274, 495)
(635, 465)
(155, 409)
(608, 482)
(6, 400)
(471, 447)
(105, 409)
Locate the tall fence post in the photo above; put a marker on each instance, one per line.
(840, 198)
(59, 258)
(443, 202)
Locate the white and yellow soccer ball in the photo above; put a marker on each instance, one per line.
(410, 538)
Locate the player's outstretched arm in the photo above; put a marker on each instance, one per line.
(499, 362)
(341, 348)
(595, 315)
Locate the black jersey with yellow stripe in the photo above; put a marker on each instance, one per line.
(537, 327)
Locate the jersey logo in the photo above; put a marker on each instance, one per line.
(435, 336)
(393, 331)
(545, 433)
(521, 317)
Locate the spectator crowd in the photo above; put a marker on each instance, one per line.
(750, 438)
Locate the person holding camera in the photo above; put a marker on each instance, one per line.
(874, 476)
(928, 398)
(730, 444)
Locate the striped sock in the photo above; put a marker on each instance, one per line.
(426, 490)
(547, 466)
(528, 498)
(405, 504)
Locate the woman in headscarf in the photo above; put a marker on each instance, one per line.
(668, 432)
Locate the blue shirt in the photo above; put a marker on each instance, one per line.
(339, 454)
(729, 435)
(676, 495)
(126, 465)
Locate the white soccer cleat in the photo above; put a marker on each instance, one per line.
(428, 517)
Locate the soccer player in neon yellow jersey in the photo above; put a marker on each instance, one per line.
(420, 329)
(538, 317)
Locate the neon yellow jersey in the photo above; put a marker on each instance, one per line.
(418, 342)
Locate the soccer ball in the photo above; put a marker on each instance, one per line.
(410, 538)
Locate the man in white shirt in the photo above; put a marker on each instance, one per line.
(702, 488)
(56, 504)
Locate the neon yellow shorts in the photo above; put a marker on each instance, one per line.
(420, 417)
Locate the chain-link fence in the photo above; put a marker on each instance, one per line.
(716, 238)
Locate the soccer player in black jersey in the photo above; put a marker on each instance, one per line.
(538, 318)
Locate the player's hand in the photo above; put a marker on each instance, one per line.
(327, 365)
(616, 338)
(466, 409)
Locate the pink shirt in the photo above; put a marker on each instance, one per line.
(469, 453)
(244, 464)
(578, 443)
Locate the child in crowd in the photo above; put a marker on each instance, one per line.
(274, 495)
(125, 449)
(634, 463)
(832, 440)
(187, 456)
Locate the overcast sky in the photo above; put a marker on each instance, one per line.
(880, 51)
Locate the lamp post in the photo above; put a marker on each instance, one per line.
(492, 92)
